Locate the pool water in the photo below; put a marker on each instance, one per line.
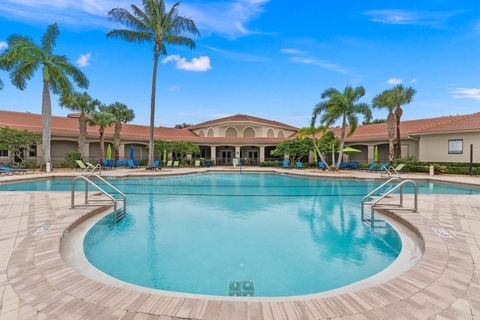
(198, 233)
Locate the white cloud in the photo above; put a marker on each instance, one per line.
(242, 56)
(466, 93)
(406, 17)
(3, 45)
(174, 88)
(199, 64)
(320, 63)
(229, 18)
(413, 81)
(84, 60)
(394, 81)
(291, 51)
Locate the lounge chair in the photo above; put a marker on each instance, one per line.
(89, 164)
(354, 165)
(391, 171)
(169, 163)
(156, 165)
(322, 165)
(383, 167)
(299, 164)
(8, 170)
(137, 163)
(370, 167)
(197, 164)
(176, 164)
(82, 165)
(343, 165)
(130, 164)
(285, 163)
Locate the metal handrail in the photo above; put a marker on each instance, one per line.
(389, 173)
(112, 198)
(398, 186)
(375, 191)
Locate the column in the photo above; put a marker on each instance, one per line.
(371, 150)
(121, 152)
(213, 154)
(262, 154)
(39, 153)
(237, 152)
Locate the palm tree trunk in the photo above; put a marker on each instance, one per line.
(116, 141)
(398, 114)
(82, 137)
(151, 151)
(102, 145)
(46, 122)
(342, 142)
(317, 150)
(391, 124)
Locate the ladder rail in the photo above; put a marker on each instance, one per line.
(123, 195)
(93, 184)
(374, 203)
(373, 192)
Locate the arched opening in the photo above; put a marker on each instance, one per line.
(249, 132)
(270, 133)
(231, 132)
(280, 134)
(210, 133)
(201, 133)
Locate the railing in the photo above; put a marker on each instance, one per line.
(390, 171)
(374, 203)
(86, 176)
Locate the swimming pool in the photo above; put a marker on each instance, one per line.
(202, 233)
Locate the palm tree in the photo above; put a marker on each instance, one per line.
(384, 101)
(84, 105)
(121, 114)
(1, 84)
(400, 96)
(23, 57)
(343, 106)
(154, 24)
(102, 120)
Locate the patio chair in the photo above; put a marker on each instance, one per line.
(383, 167)
(8, 170)
(354, 165)
(130, 164)
(322, 165)
(169, 163)
(137, 163)
(391, 171)
(197, 164)
(285, 163)
(299, 164)
(343, 165)
(370, 167)
(81, 164)
(176, 164)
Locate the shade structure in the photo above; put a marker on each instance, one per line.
(132, 153)
(109, 152)
(351, 150)
(375, 154)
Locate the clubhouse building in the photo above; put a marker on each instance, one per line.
(441, 139)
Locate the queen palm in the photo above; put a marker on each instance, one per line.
(343, 106)
(153, 24)
(384, 101)
(84, 104)
(102, 120)
(23, 57)
(400, 96)
(121, 114)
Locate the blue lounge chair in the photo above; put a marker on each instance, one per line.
(383, 167)
(322, 165)
(119, 163)
(6, 170)
(298, 164)
(370, 167)
(354, 165)
(131, 164)
(285, 164)
(137, 163)
(343, 165)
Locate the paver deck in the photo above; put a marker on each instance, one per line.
(35, 282)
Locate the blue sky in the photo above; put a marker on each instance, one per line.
(268, 58)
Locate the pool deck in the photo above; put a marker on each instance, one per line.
(37, 284)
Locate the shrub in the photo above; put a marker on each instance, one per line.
(70, 159)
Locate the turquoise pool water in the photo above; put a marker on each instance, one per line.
(197, 233)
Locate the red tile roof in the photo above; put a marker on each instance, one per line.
(244, 118)
(375, 132)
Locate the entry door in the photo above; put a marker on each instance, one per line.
(227, 156)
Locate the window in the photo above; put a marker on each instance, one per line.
(3, 153)
(455, 146)
(33, 151)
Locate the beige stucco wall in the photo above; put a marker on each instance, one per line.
(60, 147)
(435, 147)
(260, 130)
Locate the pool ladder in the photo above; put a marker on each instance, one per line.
(374, 201)
(86, 175)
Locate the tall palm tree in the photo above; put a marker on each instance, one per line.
(84, 105)
(384, 101)
(23, 57)
(1, 84)
(400, 96)
(121, 114)
(343, 106)
(102, 120)
(154, 24)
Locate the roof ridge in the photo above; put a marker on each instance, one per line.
(452, 119)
